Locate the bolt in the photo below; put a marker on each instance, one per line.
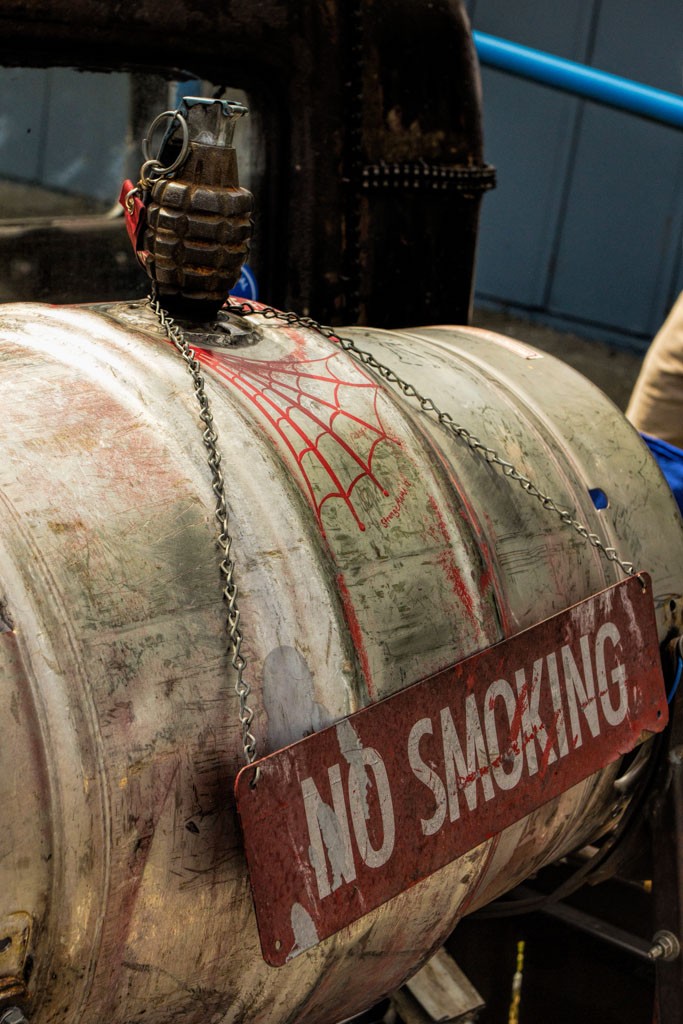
(665, 947)
(12, 1015)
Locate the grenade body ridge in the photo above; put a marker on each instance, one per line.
(198, 232)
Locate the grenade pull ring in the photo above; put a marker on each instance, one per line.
(153, 162)
(152, 169)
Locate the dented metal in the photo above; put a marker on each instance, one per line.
(372, 550)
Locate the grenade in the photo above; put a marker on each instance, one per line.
(199, 220)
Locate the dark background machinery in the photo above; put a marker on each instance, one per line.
(370, 122)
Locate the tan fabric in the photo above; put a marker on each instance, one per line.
(656, 404)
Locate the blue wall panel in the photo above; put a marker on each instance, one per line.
(620, 234)
(520, 219)
(65, 130)
(586, 223)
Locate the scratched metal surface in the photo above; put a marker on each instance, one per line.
(371, 551)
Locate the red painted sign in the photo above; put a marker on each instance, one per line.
(349, 817)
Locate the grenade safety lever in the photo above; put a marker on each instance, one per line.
(188, 219)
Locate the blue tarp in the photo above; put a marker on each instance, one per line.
(670, 460)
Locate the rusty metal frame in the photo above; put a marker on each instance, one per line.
(341, 86)
(666, 824)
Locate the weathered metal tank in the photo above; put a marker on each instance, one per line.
(372, 549)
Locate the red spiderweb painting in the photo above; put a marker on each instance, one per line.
(326, 413)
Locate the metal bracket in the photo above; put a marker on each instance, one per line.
(667, 855)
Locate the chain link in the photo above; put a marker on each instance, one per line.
(227, 565)
(446, 420)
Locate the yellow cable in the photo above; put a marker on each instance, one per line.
(513, 1015)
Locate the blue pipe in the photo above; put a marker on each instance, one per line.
(679, 670)
(612, 90)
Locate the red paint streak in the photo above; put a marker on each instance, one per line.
(521, 705)
(488, 577)
(532, 737)
(447, 562)
(302, 400)
(545, 756)
(479, 773)
(449, 565)
(395, 511)
(299, 341)
(356, 634)
(439, 516)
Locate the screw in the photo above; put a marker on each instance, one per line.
(665, 947)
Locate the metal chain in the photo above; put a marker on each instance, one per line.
(227, 566)
(446, 420)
